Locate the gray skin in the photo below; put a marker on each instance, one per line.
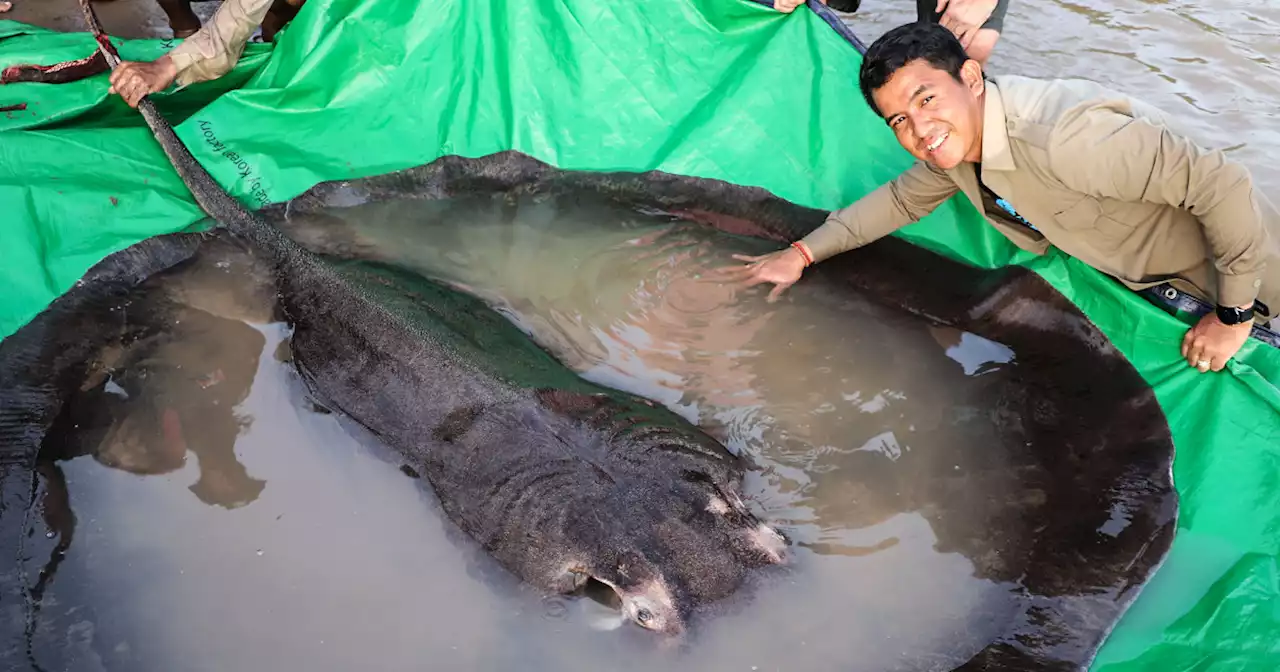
(560, 480)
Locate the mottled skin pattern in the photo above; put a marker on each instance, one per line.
(559, 479)
(1093, 450)
(1080, 432)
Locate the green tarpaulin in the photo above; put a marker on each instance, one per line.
(725, 89)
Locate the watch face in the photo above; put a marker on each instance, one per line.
(1232, 315)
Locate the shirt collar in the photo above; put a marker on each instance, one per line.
(995, 131)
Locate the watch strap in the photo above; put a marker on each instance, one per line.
(1231, 315)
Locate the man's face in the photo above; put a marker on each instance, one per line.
(935, 117)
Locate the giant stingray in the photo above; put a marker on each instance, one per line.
(1093, 509)
(376, 344)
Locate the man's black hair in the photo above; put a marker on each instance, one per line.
(919, 40)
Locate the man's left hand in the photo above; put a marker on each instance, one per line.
(964, 18)
(1209, 344)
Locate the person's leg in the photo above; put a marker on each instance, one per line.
(985, 41)
(281, 13)
(182, 19)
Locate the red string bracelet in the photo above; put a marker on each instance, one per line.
(804, 252)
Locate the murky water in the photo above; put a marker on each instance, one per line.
(221, 521)
(1213, 66)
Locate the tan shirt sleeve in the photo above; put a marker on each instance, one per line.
(908, 198)
(1103, 151)
(213, 51)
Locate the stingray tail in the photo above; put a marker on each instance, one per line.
(57, 73)
(211, 197)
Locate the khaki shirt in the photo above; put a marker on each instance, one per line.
(1105, 179)
(214, 50)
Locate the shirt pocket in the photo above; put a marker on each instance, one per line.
(1087, 216)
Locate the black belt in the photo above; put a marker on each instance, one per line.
(1168, 297)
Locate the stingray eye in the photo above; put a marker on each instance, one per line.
(643, 616)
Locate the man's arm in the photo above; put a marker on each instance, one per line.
(908, 198)
(912, 195)
(209, 54)
(1104, 152)
(213, 51)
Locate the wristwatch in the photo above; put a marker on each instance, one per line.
(1230, 315)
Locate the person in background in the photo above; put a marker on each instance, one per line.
(976, 23)
(184, 22)
(1101, 176)
(209, 53)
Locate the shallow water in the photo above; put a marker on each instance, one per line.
(304, 545)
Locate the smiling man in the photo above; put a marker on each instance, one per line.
(1067, 163)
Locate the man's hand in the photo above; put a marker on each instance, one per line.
(964, 18)
(787, 6)
(133, 80)
(782, 268)
(1210, 343)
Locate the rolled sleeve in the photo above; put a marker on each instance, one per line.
(214, 50)
(908, 198)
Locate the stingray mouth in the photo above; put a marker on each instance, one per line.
(648, 605)
(698, 550)
(602, 606)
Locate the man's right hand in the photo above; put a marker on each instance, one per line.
(964, 18)
(787, 6)
(133, 80)
(782, 268)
